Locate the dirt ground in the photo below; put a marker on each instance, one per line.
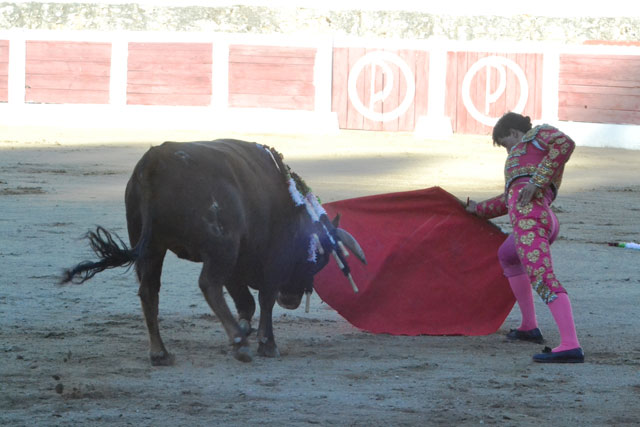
(77, 355)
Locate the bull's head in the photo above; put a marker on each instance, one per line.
(316, 239)
(316, 243)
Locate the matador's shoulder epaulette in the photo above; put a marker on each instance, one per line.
(531, 135)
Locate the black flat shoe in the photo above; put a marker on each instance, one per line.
(575, 355)
(532, 335)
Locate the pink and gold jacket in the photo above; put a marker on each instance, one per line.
(541, 156)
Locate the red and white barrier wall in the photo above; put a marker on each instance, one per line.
(288, 84)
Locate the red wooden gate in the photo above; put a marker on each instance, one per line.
(481, 87)
(389, 88)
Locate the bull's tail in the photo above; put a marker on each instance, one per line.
(111, 251)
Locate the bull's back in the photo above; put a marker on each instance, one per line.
(198, 195)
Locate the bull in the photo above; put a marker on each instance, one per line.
(235, 207)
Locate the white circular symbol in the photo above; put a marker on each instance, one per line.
(381, 59)
(498, 63)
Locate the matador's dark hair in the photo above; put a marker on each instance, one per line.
(510, 121)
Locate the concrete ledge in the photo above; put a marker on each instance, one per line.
(601, 135)
(433, 127)
(169, 118)
(280, 121)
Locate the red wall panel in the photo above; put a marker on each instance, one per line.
(4, 70)
(169, 74)
(599, 89)
(59, 72)
(271, 77)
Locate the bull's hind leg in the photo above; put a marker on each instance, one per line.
(211, 283)
(149, 269)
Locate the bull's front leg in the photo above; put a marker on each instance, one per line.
(245, 304)
(266, 342)
(211, 284)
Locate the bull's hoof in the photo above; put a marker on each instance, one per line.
(163, 358)
(242, 354)
(268, 349)
(245, 327)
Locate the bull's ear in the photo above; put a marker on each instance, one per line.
(336, 221)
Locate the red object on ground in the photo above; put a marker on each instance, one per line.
(432, 267)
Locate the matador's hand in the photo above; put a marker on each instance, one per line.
(471, 207)
(526, 194)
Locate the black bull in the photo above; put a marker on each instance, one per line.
(226, 204)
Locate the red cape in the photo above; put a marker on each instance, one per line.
(432, 267)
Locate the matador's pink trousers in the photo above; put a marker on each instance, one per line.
(528, 249)
(527, 253)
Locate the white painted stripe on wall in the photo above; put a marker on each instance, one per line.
(435, 124)
(118, 76)
(164, 36)
(17, 65)
(220, 74)
(314, 41)
(550, 83)
(322, 76)
(486, 46)
(437, 82)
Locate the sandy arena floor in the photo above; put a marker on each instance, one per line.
(77, 355)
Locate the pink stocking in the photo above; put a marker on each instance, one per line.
(521, 288)
(562, 314)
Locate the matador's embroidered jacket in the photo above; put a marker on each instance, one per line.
(540, 155)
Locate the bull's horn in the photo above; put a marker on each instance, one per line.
(351, 243)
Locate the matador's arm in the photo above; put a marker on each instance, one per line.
(491, 208)
(558, 147)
